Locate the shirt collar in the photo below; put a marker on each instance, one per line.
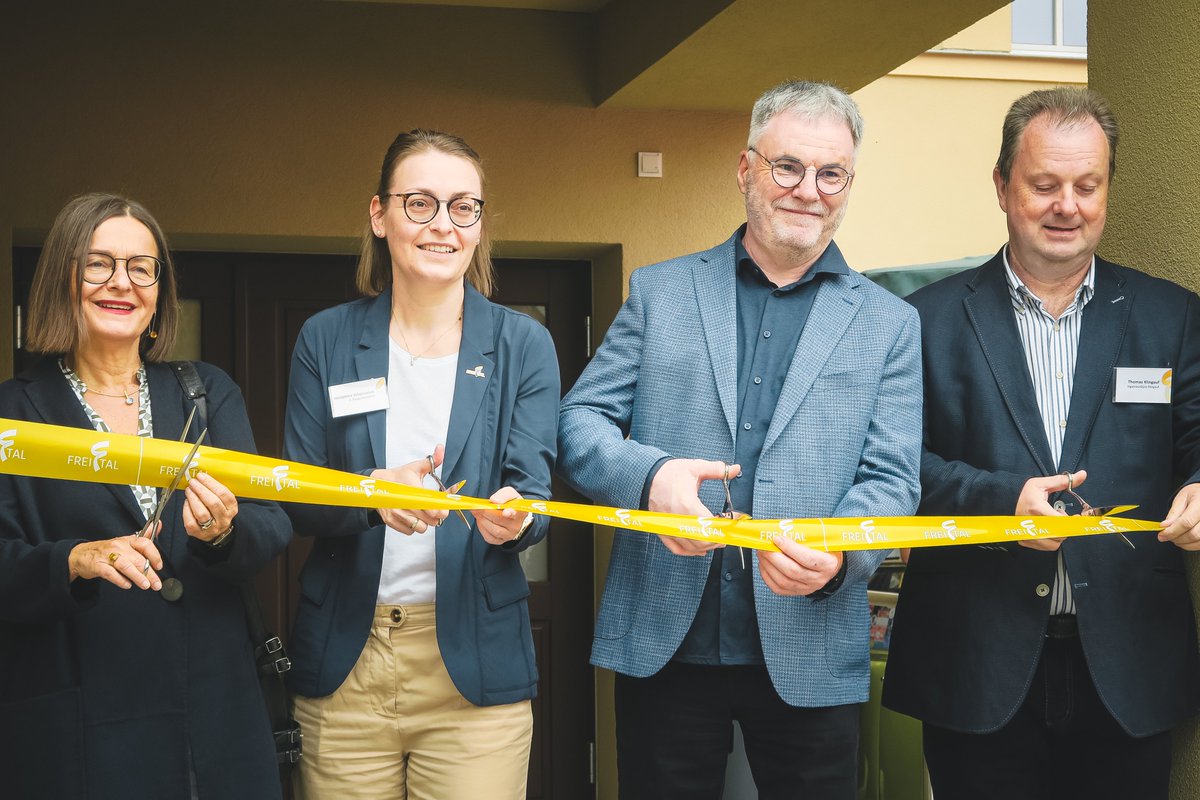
(1023, 298)
(830, 262)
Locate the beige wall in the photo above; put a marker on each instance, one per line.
(1145, 65)
(923, 190)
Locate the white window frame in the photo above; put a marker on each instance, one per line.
(1058, 46)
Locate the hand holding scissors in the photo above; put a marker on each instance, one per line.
(209, 508)
(153, 525)
(408, 520)
(116, 561)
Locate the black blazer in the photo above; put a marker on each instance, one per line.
(970, 621)
(112, 693)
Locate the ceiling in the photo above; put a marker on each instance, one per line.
(720, 54)
(574, 6)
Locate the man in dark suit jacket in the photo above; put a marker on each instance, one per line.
(1056, 668)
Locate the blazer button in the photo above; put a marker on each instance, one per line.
(1042, 590)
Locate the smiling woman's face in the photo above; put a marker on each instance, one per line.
(437, 251)
(118, 312)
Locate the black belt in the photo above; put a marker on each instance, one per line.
(1062, 626)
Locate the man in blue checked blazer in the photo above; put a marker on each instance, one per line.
(768, 360)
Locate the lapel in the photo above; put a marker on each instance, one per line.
(989, 308)
(835, 306)
(51, 398)
(371, 361)
(716, 295)
(1105, 320)
(475, 374)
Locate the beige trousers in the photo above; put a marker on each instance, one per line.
(397, 727)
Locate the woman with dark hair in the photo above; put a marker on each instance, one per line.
(415, 663)
(111, 685)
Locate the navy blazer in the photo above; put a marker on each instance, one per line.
(502, 433)
(970, 621)
(107, 692)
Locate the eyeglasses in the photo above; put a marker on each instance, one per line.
(98, 268)
(789, 173)
(421, 208)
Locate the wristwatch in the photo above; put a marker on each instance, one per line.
(220, 540)
(524, 527)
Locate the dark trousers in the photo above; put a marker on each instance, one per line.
(1062, 743)
(675, 733)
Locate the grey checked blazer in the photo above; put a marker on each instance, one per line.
(845, 440)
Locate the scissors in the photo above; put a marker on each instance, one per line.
(448, 490)
(151, 528)
(729, 513)
(1087, 510)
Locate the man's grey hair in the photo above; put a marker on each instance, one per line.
(1064, 106)
(809, 100)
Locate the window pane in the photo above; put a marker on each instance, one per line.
(1033, 22)
(535, 560)
(1074, 23)
(187, 339)
(537, 312)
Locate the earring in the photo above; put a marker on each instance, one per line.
(152, 332)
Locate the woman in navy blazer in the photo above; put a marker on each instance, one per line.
(113, 684)
(414, 663)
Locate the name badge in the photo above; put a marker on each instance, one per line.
(358, 397)
(1142, 385)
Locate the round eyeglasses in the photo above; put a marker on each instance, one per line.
(789, 173)
(98, 268)
(421, 208)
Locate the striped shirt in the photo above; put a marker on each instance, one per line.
(1051, 346)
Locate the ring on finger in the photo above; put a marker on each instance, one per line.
(112, 557)
(206, 525)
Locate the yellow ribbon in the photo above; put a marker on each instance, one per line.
(52, 451)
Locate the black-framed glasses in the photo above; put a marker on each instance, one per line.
(98, 268)
(421, 208)
(789, 173)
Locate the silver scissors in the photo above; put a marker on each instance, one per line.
(1087, 510)
(730, 513)
(450, 490)
(151, 528)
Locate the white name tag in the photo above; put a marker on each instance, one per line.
(1142, 385)
(358, 397)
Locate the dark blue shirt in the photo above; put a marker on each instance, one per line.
(770, 321)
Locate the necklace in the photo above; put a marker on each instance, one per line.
(87, 390)
(412, 357)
